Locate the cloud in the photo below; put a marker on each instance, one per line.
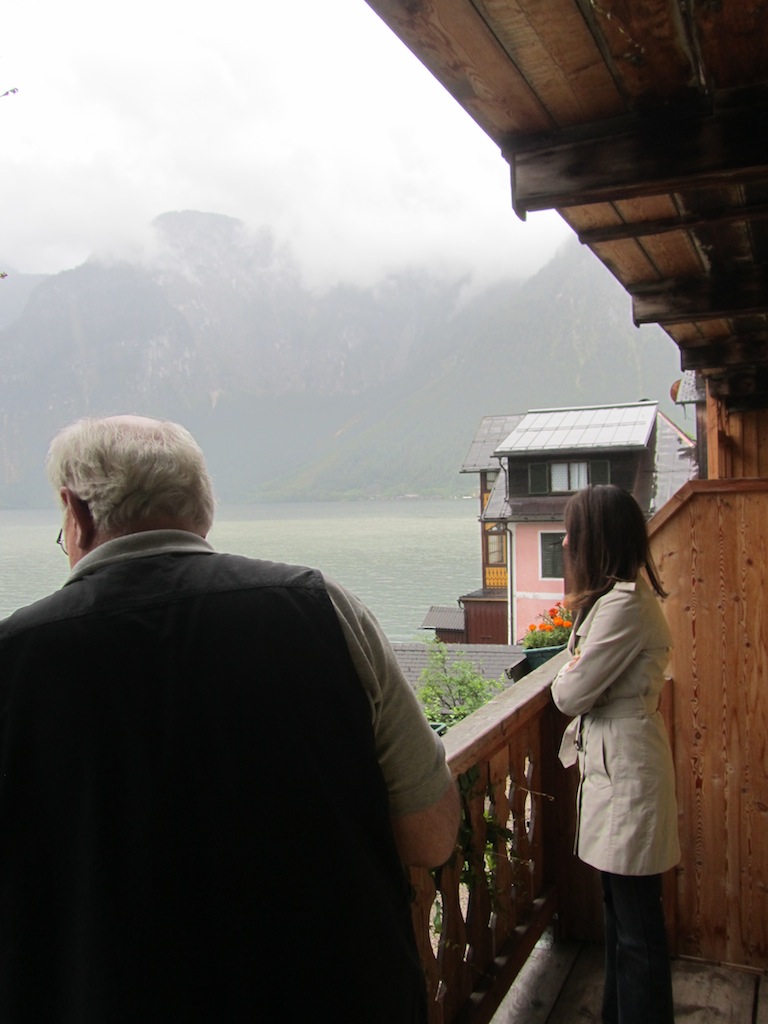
(311, 118)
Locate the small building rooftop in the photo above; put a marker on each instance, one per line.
(492, 661)
(444, 617)
(490, 433)
(591, 427)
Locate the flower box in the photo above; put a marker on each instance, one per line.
(537, 656)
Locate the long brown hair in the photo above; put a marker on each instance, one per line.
(607, 542)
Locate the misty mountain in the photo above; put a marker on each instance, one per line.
(299, 395)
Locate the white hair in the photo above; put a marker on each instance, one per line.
(134, 474)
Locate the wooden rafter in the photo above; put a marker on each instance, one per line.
(685, 222)
(673, 301)
(670, 152)
(725, 354)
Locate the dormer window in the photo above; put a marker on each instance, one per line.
(566, 477)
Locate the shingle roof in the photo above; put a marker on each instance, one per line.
(491, 660)
(442, 616)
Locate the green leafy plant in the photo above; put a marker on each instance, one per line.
(452, 688)
(554, 629)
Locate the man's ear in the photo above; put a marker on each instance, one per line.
(84, 530)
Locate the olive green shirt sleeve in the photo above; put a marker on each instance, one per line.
(410, 753)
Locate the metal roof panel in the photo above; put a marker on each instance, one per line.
(595, 427)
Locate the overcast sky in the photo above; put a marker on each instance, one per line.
(309, 116)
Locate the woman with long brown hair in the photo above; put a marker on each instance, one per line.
(626, 811)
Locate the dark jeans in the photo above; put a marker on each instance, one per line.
(638, 979)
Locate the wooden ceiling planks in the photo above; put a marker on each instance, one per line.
(455, 44)
(627, 261)
(733, 41)
(673, 253)
(647, 49)
(558, 57)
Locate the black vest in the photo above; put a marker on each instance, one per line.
(193, 823)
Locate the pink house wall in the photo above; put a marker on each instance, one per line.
(533, 594)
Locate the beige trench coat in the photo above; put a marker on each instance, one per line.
(626, 813)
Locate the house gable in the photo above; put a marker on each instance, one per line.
(632, 445)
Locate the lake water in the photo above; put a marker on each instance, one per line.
(399, 557)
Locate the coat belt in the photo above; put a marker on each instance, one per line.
(624, 707)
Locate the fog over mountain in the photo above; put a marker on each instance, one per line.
(299, 395)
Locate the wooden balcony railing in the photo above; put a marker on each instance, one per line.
(478, 918)
(515, 867)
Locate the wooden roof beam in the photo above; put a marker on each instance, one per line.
(670, 151)
(685, 222)
(676, 301)
(740, 388)
(725, 355)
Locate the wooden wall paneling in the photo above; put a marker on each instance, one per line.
(486, 621)
(749, 734)
(679, 554)
(729, 756)
(737, 440)
(749, 446)
(701, 882)
(712, 552)
(762, 443)
(718, 450)
(669, 886)
(741, 438)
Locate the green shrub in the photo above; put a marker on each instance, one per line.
(450, 692)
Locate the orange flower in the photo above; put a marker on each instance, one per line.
(557, 621)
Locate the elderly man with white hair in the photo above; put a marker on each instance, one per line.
(211, 770)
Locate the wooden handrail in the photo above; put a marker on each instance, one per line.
(478, 918)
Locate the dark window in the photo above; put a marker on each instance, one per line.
(538, 478)
(552, 556)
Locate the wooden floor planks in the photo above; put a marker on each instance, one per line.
(705, 993)
(762, 1001)
(562, 984)
(539, 984)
